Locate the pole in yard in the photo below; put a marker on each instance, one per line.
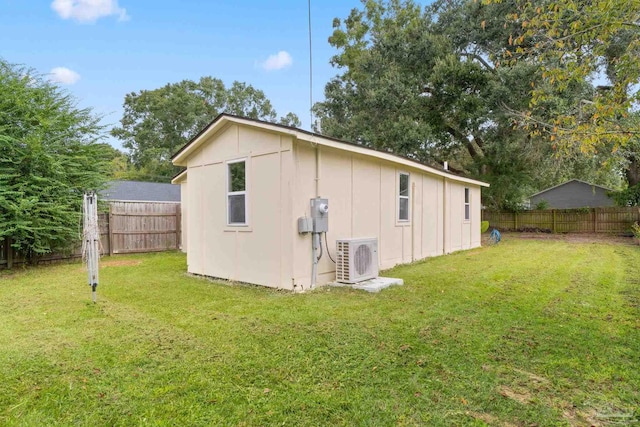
(91, 240)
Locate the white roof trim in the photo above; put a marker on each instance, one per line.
(182, 176)
(181, 157)
(567, 182)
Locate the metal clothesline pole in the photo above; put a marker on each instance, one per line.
(91, 240)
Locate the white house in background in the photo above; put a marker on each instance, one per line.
(247, 183)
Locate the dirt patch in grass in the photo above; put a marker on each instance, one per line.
(522, 396)
(578, 418)
(572, 237)
(532, 376)
(489, 419)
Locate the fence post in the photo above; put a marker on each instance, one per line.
(554, 220)
(515, 221)
(178, 226)
(9, 250)
(595, 220)
(110, 228)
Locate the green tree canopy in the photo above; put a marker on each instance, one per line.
(49, 155)
(156, 123)
(424, 83)
(577, 41)
(574, 42)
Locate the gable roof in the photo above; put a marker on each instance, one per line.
(179, 158)
(567, 182)
(141, 191)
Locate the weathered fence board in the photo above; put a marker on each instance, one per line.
(593, 220)
(143, 227)
(129, 227)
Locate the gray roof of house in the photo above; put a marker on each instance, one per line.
(567, 182)
(141, 191)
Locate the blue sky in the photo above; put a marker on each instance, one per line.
(100, 50)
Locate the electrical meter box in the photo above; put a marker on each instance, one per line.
(320, 215)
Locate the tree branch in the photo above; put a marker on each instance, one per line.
(473, 152)
(481, 60)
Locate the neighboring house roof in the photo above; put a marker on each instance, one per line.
(314, 138)
(568, 182)
(141, 191)
(573, 194)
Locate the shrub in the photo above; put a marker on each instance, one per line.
(627, 197)
(541, 205)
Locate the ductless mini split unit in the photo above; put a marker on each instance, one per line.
(356, 260)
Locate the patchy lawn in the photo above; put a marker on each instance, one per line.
(526, 333)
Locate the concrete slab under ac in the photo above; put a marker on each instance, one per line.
(372, 285)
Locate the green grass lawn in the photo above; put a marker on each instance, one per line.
(520, 334)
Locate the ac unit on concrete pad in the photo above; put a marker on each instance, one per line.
(356, 260)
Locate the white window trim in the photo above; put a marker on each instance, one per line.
(467, 191)
(237, 193)
(408, 197)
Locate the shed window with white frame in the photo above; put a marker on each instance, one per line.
(403, 196)
(237, 192)
(467, 204)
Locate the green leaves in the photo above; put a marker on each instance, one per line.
(454, 82)
(577, 42)
(156, 123)
(49, 155)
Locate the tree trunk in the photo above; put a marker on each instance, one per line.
(632, 172)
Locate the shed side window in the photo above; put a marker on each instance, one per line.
(467, 204)
(236, 193)
(403, 197)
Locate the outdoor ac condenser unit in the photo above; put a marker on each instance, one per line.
(356, 260)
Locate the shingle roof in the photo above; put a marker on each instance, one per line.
(141, 191)
(567, 182)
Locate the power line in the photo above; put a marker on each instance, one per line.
(310, 71)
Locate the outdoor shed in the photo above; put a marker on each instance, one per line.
(248, 186)
(573, 194)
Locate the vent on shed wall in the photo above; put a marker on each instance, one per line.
(357, 260)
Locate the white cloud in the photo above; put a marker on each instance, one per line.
(63, 75)
(87, 11)
(278, 61)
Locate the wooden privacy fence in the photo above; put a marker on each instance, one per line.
(143, 227)
(584, 220)
(128, 227)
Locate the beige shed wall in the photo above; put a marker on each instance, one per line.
(363, 202)
(260, 252)
(184, 208)
(281, 180)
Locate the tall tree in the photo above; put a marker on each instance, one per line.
(158, 122)
(49, 155)
(425, 84)
(574, 41)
